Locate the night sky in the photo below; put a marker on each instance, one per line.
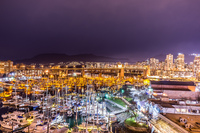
(134, 29)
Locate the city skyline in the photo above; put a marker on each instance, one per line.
(134, 29)
(161, 57)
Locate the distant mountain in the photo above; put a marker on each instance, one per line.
(56, 58)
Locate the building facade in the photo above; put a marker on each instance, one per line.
(6, 66)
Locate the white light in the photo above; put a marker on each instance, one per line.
(119, 66)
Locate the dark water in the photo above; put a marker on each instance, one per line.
(4, 110)
(72, 120)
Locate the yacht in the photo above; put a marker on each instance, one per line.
(5, 116)
(37, 90)
(9, 125)
(29, 129)
(32, 127)
(20, 121)
(7, 102)
(35, 115)
(62, 130)
(63, 124)
(99, 119)
(84, 131)
(94, 131)
(41, 129)
(53, 114)
(17, 97)
(104, 128)
(113, 118)
(75, 130)
(24, 105)
(57, 120)
(69, 113)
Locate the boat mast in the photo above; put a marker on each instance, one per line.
(63, 95)
(27, 90)
(56, 104)
(86, 109)
(97, 114)
(15, 94)
(47, 87)
(66, 93)
(93, 108)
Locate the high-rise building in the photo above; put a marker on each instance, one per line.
(154, 63)
(180, 62)
(169, 62)
(196, 64)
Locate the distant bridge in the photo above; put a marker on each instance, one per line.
(64, 72)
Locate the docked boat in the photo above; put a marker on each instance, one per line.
(84, 131)
(36, 122)
(24, 105)
(104, 128)
(75, 130)
(20, 121)
(9, 125)
(41, 129)
(94, 131)
(69, 113)
(6, 102)
(62, 130)
(5, 116)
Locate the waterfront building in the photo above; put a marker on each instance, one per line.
(175, 90)
(6, 66)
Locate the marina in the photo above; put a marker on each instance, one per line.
(53, 110)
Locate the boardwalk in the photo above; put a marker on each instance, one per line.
(118, 112)
(122, 109)
(116, 104)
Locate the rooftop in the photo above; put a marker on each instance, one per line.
(173, 83)
(174, 89)
(192, 119)
(167, 104)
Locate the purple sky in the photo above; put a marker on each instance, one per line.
(135, 29)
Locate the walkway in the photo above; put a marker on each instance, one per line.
(116, 104)
(122, 109)
(124, 100)
(118, 112)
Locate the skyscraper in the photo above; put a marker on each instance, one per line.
(169, 62)
(196, 64)
(180, 62)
